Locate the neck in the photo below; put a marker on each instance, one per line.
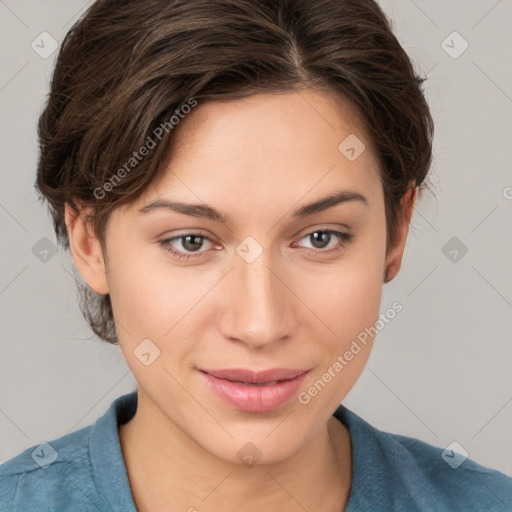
(169, 471)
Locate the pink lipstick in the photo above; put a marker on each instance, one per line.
(251, 391)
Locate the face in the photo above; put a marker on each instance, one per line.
(262, 283)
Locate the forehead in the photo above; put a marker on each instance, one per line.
(271, 146)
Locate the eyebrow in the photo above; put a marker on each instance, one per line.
(208, 212)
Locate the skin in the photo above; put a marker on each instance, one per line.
(257, 159)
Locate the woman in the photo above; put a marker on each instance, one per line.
(235, 180)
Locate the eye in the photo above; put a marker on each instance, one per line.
(192, 243)
(322, 237)
(188, 241)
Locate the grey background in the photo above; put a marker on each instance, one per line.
(440, 371)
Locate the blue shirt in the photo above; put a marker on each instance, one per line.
(85, 471)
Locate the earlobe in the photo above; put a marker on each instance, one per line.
(395, 253)
(87, 251)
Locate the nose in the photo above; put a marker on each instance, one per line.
(258, 305)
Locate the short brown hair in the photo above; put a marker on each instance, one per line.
(125, 68)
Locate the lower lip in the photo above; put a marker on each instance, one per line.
(253, 397)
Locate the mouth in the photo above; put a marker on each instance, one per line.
(251, 391)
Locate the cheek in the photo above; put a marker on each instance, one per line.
(153, 300)
(142, 298)
(349, 305)
(347, 296)
(145, 307)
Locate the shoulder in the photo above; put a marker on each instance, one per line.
(54, 472)
(457, 481)
(407, 474)
(81, 471)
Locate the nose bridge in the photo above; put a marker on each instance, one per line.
(259, 309)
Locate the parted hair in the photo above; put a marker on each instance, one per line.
(128, 70)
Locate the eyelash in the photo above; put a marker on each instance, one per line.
(343, 240)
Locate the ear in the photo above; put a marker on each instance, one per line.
(86, 250)
(395, 253)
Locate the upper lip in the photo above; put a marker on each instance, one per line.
(252, 377)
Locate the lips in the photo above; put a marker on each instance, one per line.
(251, 391)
